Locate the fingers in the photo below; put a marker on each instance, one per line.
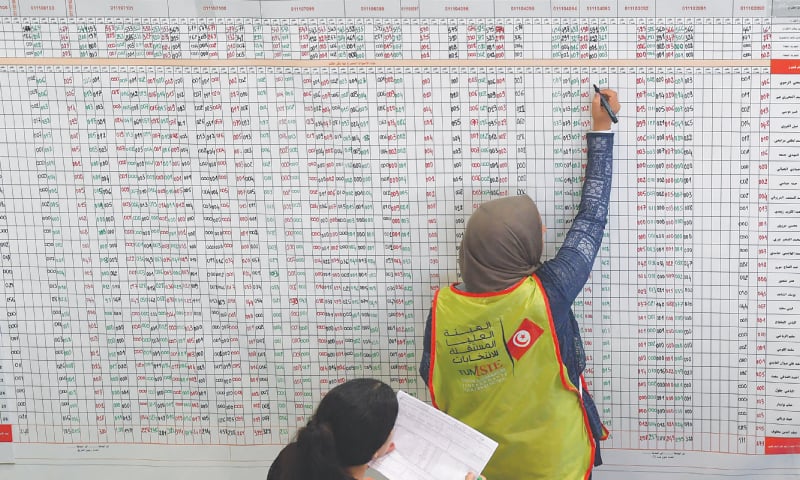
(613, 99)
(600, 117)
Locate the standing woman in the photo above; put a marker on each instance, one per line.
(503, 351)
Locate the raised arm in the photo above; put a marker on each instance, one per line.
(571, 266)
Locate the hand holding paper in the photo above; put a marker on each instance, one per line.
(430, 445)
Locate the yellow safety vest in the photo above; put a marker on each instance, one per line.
(496, 366)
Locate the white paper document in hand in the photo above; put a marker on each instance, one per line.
(430, 445)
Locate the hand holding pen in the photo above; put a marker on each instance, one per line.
(604, 108)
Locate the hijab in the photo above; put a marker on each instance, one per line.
(502, 244)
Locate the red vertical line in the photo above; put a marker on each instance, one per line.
(432, 166)
(661, 156)
(157, 204)
(685, 282)
(705, 429)
(116, 127)
(736, 200)
(232, 318)
(546, 170)
(696, 394)
(9, 307)
(71, 207)
(263, 167)
(161, 168)
(372, 144)
(509, 130)
(181, 255)
(642, 282)
(279, 75)
(723, 274)
(121, 141)
(652, 335)
(698, 334)
(763, 156)
(367, 170)
(241, 202)
(11, 78)
(753, 260)
(265, 382)
(732, 241)
(675, 365)
(770, 441)
(43, 85)
(411, 294)
(637, 216)
(679, 124)
(679, 373)
(755, 218)
(455, 80)
(716, 361)
(305, 298)
(400, 268)
(446, 233)
(70, 179)
(669, 298)
(415, 214)
(314, 165)
(412, 302)
(618, 220)
(745, 243)
(233, 299)
(294, 404)
(55, 317)
(179, 304)
(308, 162)
(425, 261)
(379, 139)
(402, 158)
(746, 153)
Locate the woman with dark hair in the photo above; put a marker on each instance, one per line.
(352, 425)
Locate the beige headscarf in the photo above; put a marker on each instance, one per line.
(502, 244)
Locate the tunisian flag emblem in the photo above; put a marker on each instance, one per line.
(524, 338)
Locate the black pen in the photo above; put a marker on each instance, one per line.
(604, 102)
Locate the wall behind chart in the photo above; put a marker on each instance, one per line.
(211, 213)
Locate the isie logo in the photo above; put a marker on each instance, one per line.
(480, 370)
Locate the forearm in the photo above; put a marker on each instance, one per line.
(586, 233)
(425, 361)
(571, 266)
(596, 192)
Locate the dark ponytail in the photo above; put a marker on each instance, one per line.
(316, 453)
(351, 423)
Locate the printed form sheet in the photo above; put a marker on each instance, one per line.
(211, 213)
(432, 445)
